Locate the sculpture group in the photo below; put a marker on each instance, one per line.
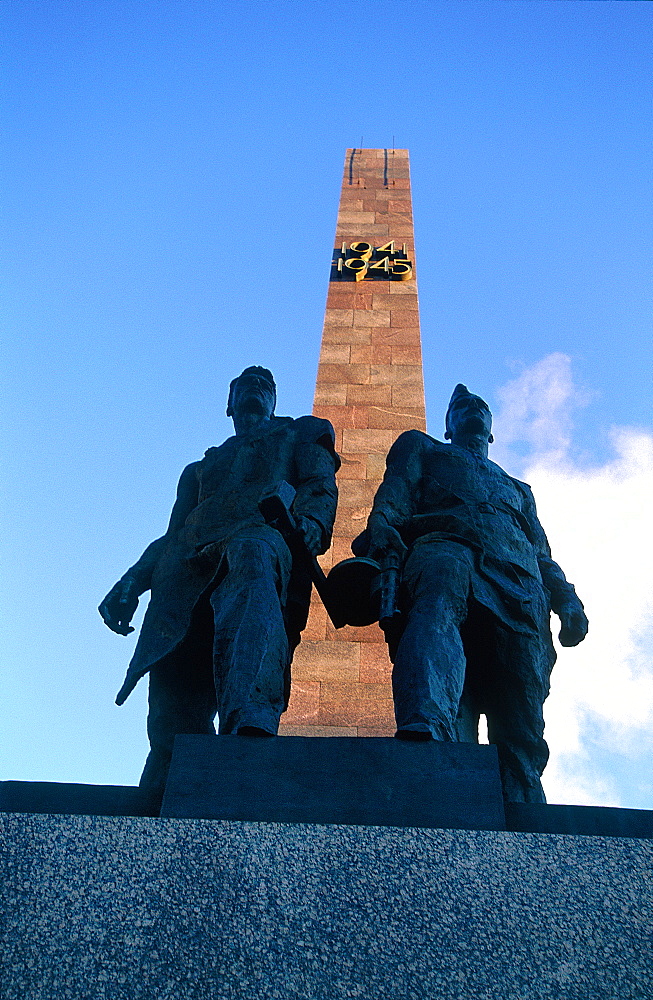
(230, 591)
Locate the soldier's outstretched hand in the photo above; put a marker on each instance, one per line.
(118, 607)
(573, 622)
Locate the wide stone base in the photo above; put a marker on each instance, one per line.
(174, 909)
(346, 780)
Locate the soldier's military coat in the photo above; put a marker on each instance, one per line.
(440, 492)
(218, 498)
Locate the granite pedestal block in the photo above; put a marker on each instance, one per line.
(178, 909)
(298, 779)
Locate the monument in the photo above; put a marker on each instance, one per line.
(361, 884)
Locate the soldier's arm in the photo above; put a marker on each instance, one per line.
(316, 463)
(118, 607)
(394, 503)
(395, 497)
(185, 502)
(564, 600)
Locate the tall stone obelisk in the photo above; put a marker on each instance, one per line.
(370, 386)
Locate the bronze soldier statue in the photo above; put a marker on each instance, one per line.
(477, 587)
(229, 593)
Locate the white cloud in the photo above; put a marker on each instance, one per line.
(599, 716)
(536, 409)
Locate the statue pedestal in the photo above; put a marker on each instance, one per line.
(132, 908)
(316, 868)
(346, 780)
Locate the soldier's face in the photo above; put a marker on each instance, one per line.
(469, 415)
(253, 395)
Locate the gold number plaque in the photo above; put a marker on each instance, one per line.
(361, 259)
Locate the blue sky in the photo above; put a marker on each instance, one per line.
(171, 180)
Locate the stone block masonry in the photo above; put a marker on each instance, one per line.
(370, 386)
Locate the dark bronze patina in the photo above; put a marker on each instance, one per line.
(477, 587)
(229, 593)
